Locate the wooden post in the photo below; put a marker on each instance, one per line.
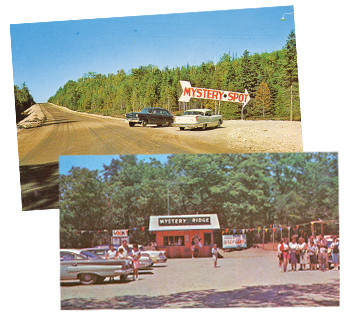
(263, 237)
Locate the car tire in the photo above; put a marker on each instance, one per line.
(219, 123)
(123, 277)
(144, 123)
(87, 278)
(182, 128)
(204, 127)
(131, 124)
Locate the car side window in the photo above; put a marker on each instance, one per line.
(67, 256)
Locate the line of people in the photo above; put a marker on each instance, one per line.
(313, 253)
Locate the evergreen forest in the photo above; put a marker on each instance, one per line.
(23, 101)
(270, 78)
(246, 191)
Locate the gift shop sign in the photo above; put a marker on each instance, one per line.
(212, 94)
(120, 233)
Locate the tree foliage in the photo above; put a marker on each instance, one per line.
(23, 100)
(144, 86)
(245, 190)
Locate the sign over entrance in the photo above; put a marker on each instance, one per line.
(183, 222)
(174, 221)
(212, 94)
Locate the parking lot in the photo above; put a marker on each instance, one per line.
(247, 278)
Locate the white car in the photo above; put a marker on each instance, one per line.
(89, 269)
(157, 256)
(198, 118)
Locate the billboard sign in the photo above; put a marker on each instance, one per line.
(212, 94)
(234, 241)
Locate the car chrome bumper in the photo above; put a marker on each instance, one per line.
(133, 120)
(192, 125)
(121, 272)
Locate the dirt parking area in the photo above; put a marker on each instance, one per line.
(248, 278)
(250, 136)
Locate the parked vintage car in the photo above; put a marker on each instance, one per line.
(75, 265)
(158, 116)
(101, 251)
(198, 118)
(157, 256)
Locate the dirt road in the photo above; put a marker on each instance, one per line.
(65, 132)
(70, 133)
(248, 278)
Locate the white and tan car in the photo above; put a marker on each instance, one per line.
(89, 269)
(198, 118)
(157, 256)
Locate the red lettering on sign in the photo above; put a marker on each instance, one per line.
(230, 96)
(220, 93)
(209, 95)
(241, 97)
(205, 93)
(235, 96)
(187, 91)
(193, 91)
(199, 93)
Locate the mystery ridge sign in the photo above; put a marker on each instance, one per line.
(212, 94)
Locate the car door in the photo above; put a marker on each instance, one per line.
(167, 117)
(68, 265)
(157, 117)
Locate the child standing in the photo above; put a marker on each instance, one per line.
(312, 255)
(136, 255)
(323, 258)
(215, 253)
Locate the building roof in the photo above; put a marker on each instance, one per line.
(183, 222)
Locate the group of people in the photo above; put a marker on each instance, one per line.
(314, 253)
(124, 252)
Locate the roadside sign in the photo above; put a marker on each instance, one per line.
(234, 241)
(212, 94)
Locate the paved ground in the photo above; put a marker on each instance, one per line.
(248, 278)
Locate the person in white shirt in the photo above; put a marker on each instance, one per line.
(111, 253)
(215, 253)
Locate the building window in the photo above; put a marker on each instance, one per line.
(173, 240)
(207, 239)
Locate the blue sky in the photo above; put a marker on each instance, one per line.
(96, 162)
(46, 55)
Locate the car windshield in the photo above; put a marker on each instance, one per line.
(193, 113)
(147, 110)
(89, 255)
